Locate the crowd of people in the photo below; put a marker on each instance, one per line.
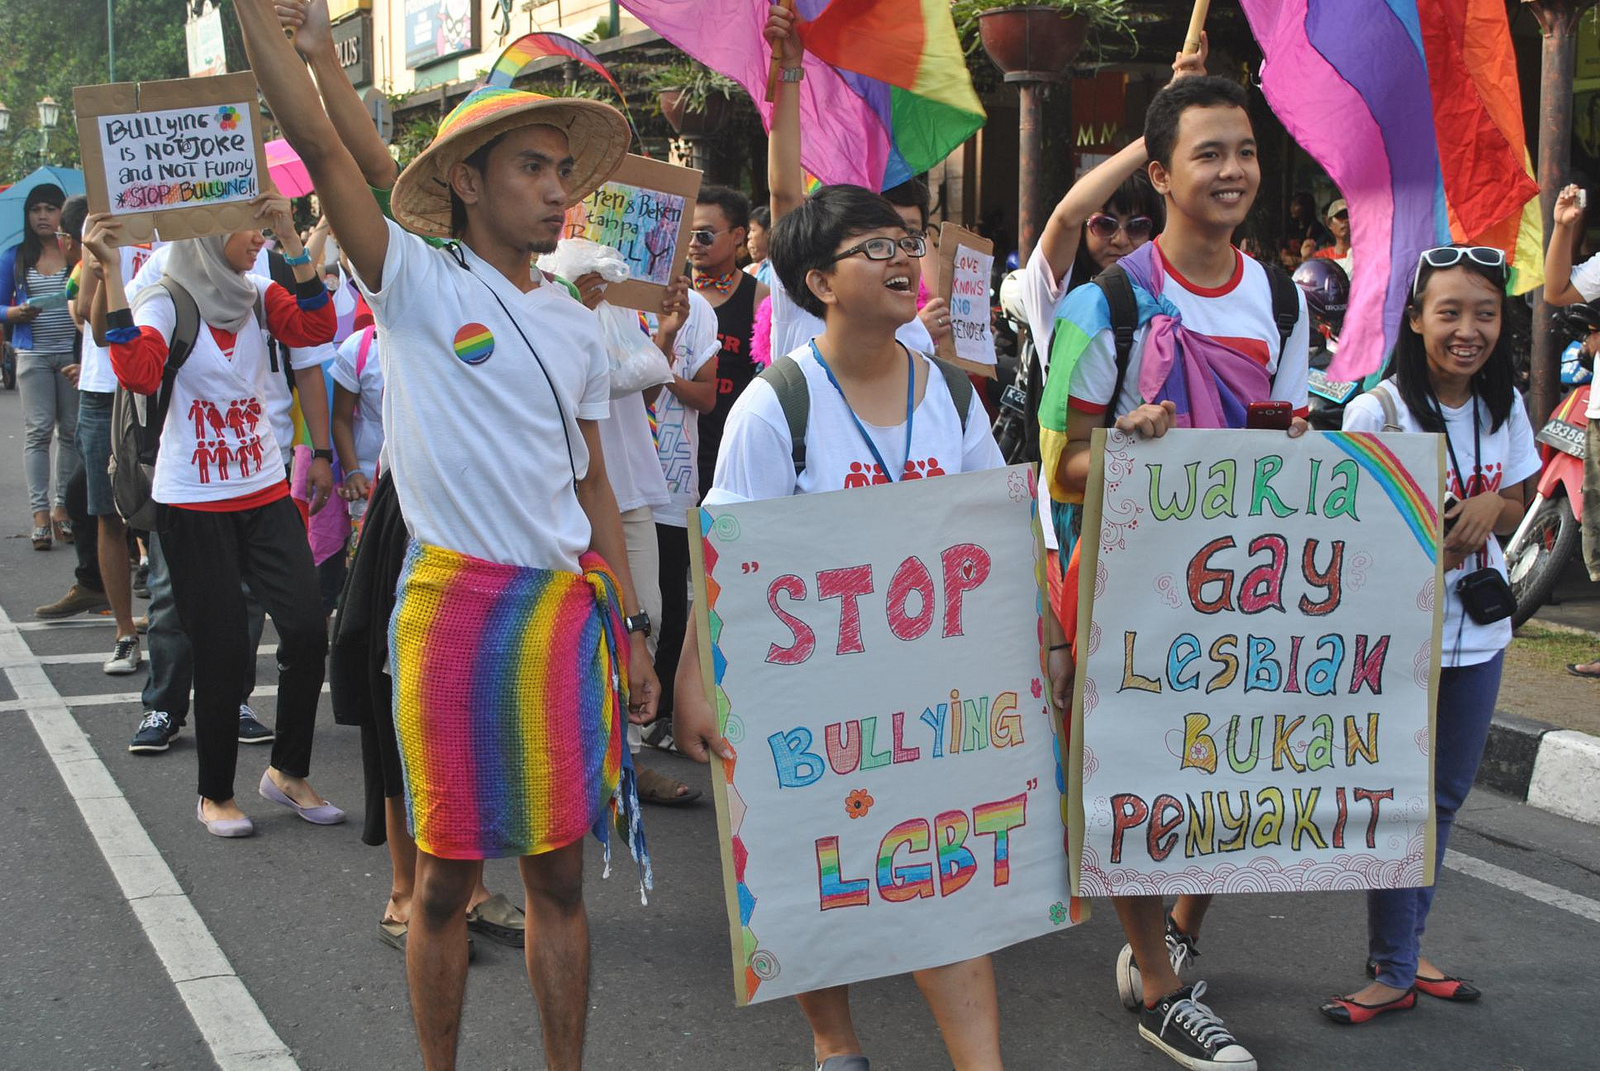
(509, 638)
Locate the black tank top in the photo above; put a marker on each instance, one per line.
(736, 319)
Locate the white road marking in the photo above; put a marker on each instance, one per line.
(111, 699)
(228, 1017)
(1532, 888)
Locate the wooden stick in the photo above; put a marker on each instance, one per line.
(1197, 22)
(772, 72)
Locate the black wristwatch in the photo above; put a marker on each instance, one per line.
(639, 622)
(322, 455)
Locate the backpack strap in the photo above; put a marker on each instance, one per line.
(788, 382)
(185, 331)
(960, 386)
(1285, 304)
(1124, 307)
(363, 349)
(1391, 416)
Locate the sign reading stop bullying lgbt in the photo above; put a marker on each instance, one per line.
(895, 799)
(1258, 657)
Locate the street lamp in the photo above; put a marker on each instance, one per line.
(49, 116)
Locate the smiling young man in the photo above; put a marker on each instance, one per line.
(510, 659)
(721, 225)
(1218, 307)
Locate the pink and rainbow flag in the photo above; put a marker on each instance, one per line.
(1412, 107)
(886, 95)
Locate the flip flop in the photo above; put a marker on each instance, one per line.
(498, 919)
(661, 790)
(41, 537)
(1572, 668)
(393, 934)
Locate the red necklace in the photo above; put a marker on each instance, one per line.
(722, 284)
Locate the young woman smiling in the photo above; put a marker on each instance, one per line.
(1450, 374)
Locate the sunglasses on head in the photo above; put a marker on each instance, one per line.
(1448, 256)
(915, 245)
(1105, 225)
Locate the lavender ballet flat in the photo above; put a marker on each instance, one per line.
(325, 814)
(223, 827)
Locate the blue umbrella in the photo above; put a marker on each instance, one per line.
(12, 200)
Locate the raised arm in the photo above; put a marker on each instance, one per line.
(1558, 288)
(289, 92)
(313, 39)
(784, 178)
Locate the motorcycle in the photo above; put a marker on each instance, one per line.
(1015, 428)
(1551, 530)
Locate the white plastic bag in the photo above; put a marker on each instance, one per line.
(574, 257)
(636, 361)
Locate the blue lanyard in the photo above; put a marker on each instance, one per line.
(911, 393)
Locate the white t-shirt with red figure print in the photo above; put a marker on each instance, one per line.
(756, 459)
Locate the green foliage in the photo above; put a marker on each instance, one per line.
(1108, 19)
(55, 45)
(413, 137)
(697, 82)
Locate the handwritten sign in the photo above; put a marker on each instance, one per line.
(644, 211)
(1258, 657)
(895, 802)
(965, 264)
(184, 156)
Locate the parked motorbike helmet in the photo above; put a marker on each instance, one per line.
(1011, 297)
(1327, 290)
(1577, 321)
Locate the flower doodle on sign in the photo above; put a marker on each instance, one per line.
(1058, 912)
(858, 803)
(228, 117)
(1038, 688)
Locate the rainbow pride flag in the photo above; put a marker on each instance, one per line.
(886, 95)
(1412, 107)
(516, 56)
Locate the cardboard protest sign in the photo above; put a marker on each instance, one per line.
(1258, 656)
(184, 156)
(644, 211)
(965, 264)
(894, 803)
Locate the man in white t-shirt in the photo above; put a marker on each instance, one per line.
(508, 647)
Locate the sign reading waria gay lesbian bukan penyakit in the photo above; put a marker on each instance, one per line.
(1258, 655)
(895, 802)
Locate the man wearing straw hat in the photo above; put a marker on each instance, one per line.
(516, 629)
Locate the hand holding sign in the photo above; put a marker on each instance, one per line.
(965, 263)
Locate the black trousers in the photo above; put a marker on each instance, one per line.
(207, 555)
(673, 544)
(85, 533)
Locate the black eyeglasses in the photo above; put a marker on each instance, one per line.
(1448, 256)
(1105, 225)
(914, 245)
(704, 237)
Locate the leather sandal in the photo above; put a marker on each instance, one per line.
(1351, 1012)
(498, 919)
(1447, 988)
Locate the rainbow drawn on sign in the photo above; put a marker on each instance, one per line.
(474, 343)
(1410, 501)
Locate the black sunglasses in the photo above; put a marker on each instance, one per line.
(914, 245)
(1105, 225)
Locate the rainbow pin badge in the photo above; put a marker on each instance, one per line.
(474, 343)
(228, 117)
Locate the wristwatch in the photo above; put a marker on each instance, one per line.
(791, 74)
(639, 622)
(322, 455)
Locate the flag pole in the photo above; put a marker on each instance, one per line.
(772, 72)
(1197, 22)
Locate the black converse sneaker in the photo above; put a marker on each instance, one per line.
(251, 731)
(1181, 951)
(155, 733)
(1193, 1034)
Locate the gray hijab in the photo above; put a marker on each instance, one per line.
(226, 297)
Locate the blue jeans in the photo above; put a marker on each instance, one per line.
(171, 658)
(94, 444)
(1397, 917)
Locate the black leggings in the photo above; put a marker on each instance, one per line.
(207, 555)
(673, 543)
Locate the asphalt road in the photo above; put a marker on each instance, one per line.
(129, 938)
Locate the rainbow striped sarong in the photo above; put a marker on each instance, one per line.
(510, 689)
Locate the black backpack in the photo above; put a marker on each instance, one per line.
(788, 382)
(1118, 290)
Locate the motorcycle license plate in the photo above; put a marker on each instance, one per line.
(1014, 399)
(1565, 437)
(1336, 391)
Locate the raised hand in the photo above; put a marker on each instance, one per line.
(782, 35)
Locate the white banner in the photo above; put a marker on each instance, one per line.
(207, 55)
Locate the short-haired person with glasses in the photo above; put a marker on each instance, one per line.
(1218, 314)
(878, 412)
(721, 226)
(1451, 374)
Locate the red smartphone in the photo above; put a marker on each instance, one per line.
(1269, 416)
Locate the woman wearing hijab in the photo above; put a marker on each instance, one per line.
(33, 294)
(225, 512)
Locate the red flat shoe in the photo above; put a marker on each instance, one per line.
(1350, 1012)
(1447, 988)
